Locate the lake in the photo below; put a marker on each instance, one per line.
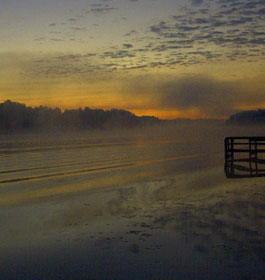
(150, 203)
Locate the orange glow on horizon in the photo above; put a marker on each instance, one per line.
(171, 114)
(161, 113)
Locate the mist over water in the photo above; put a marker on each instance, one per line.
(150, 203)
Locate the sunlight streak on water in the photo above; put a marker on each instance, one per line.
(21, 196)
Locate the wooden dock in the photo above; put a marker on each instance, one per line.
(244, 157)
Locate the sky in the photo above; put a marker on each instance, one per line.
(170, 59)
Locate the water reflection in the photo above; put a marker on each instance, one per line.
(170, 213)
(198, 219)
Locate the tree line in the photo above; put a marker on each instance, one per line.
(248, 117)
(16, 116)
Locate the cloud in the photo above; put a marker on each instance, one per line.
(101, 10)
(127, 46)
(73, 19)
(196, 2)
(98, 9)
(136, 67)
(207, 95)
(118, 54)
(40, 39)
(57, 40)
(62, 66)
(233, 25)
(78, 28)
(132, 32)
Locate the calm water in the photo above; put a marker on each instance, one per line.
(110, 205)
(34, 167)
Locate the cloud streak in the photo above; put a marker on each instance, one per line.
(233, 25)
(205, 94)
(204, 31)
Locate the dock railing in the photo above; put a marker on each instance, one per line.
(244, 157)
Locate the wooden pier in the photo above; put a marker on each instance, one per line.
(244, 157)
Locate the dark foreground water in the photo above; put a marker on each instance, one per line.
(138, 205)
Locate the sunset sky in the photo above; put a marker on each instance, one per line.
(182, 58)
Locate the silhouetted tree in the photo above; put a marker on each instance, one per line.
(248, 117)
(17, 116)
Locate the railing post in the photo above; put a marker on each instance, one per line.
(250, 156)
(242, 157)
(256, 157)
(232, 158)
